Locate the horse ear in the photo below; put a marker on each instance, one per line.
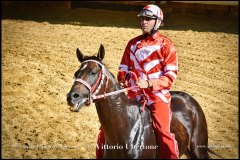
(101, 52)
(80, 56)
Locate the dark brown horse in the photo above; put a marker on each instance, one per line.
(128, 131)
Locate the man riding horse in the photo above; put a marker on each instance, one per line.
(152, 58)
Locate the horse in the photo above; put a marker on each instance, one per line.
(125, 125)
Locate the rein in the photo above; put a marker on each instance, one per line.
(92, 94)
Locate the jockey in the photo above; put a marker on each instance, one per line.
(152, 57)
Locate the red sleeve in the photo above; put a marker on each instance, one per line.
(124, 65)
(170, 68)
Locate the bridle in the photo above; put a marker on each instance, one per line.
(100, 81)
(93, 90)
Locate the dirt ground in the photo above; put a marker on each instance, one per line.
(39, 60)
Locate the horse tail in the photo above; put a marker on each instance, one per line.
(214, 153)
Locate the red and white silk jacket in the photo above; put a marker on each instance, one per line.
(150, 58)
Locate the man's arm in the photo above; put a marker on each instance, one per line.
(170, 70)
(124, 65)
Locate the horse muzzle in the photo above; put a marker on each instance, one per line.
(75, 101)
(78, 106)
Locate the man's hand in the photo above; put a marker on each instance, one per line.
(143, 84)
(123, 85)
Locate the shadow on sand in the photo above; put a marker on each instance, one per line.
(98, 17)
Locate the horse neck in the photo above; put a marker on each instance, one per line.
(113, 110)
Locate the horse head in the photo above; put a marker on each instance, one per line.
(88, 80)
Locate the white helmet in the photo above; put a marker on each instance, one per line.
(152, 11)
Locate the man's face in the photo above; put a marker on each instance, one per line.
(147, 24)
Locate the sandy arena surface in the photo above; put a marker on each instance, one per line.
(39, 60)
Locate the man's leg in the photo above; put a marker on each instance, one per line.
(161, 116)
(100, 144)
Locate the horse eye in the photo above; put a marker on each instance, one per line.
(93, 72)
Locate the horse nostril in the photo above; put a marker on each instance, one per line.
(85, 95)
(75, 95)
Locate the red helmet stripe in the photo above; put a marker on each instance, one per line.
(146, 7)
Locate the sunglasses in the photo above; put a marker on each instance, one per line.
(146, 18)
